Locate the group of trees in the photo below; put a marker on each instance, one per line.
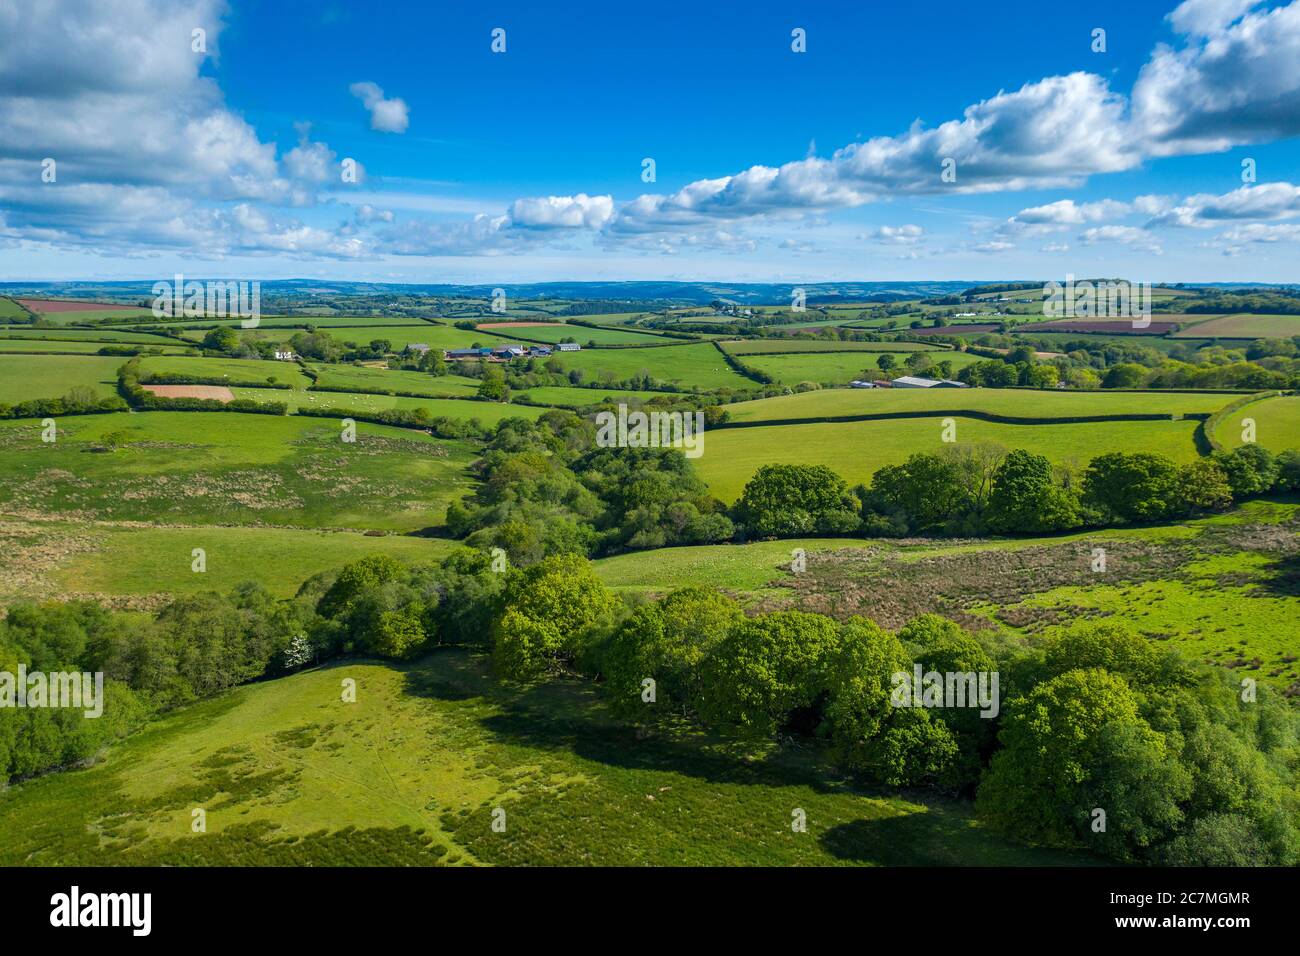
(1186, 767)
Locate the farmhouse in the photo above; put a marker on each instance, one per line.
(539, 351)
(453, 354)
(569, 347)
(286, 355)
(417, 347)
(915, 381)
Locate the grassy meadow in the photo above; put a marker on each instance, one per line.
(840, 368)
(51, 376)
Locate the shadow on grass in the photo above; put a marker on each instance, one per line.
(567, 716)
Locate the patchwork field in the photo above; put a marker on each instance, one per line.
(688, 366)
(855, 450)
(228, 468)
(84, 335)
(411, 773)
(418, 383)
(51, 376)
(578, 397)
(765, 346)
(841, 368)
(488, 413)
(1054, 403)
(234, 370)
(1243, 326)
(11, 310)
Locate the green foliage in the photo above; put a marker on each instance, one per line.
(1132, 487)
(1026, 498)
(795, 500)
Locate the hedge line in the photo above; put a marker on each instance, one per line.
(441, 426)
(174, 378)
(751, 373)
(969, 413)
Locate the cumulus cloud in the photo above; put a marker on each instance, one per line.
(1126, 235)
(1066, 212)
(386, 115)
(562, 212)
(1264, 201)
(1236, 82)
(905, 235)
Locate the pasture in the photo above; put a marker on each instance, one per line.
(555, 332)
(229, 369)
(51, 376)
(843, 367)
(232, 469)
(1277, 424)
(781, 346)
(855, 450)
(1242, 326)
(565, 397)
(395, 380)
(1019, 403)
(687, 366)
(487, 413)
(411, 772)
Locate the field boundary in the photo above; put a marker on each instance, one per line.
(1210, 425)
(968, 413)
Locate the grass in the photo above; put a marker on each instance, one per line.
(234, 370)
(83, 335)
(1012, 402)
(56, 347)
(1243, 326)
(51, 376)
(434, 336)
(123, 564)
(1277, 424)
(411, 772)
(233, 469)
(767, 346)
(419, 383)
(842, 367)
(488, 413)
(855, 450)
(554, 332)
(578, 397)
(687, 366)
(9, 309)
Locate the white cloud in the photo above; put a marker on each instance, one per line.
(1127, 235)
(562, 212)
(905, 235)
(1263, 201)
(386, 115)
(1066, 212)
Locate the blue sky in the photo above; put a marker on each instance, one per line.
(771, 165)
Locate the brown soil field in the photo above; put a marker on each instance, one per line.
(69, 305)
(219, 392)
(1107, 326)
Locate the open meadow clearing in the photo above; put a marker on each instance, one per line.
(855, 450)
(1017, 403)
(230, 468)
(64, 347)
(85, 335)
(1277, 424)
(133, 565)
(687, 366)
(24, 377)
(843, 367)
(11, 311)
(410, 774)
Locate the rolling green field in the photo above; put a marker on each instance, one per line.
(1277, 424)
(51, 376)
(83, 335)
(229, 468)
(130, 565)
(411, 772)
(488, 413)
(840, 368)
(684, 365)
(57, 347)
(578, 397)
(855, 450)
(396, 380)
(780, 346)
(234, 370)
(554, 332)
(1017, 403)
(1242, 326)
(434, 336)
(9, 309)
